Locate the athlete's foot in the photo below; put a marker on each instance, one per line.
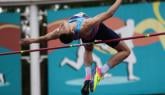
(97, 78)
(91, 85)
(133, 78)
(86, 87)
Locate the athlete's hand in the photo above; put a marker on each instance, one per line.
(26, 41)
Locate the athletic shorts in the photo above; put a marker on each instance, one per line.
(105, 33)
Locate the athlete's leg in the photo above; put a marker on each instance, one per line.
(87, 62)
(105, 33)
(88, 59)
(122, 53)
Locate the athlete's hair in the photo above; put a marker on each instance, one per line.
(66, 38)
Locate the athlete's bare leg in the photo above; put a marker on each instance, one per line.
(122, 53)
(88, 59)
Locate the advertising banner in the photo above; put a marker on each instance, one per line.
(10, 65)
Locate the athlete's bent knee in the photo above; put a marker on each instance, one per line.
(127, 52)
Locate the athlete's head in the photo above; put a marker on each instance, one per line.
(66, 35)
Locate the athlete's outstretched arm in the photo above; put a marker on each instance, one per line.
(107, 14)
(49, 36)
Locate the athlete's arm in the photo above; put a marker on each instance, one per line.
(49, 36)
(107, 14)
